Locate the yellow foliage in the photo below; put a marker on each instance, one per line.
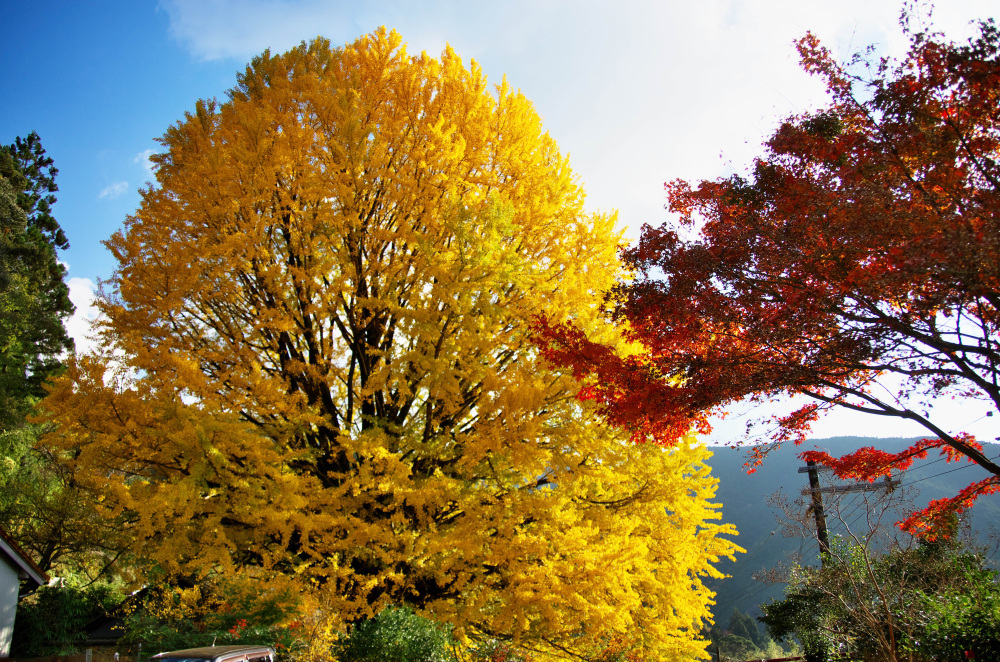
(321, 324)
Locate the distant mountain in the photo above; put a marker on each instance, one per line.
(744, 503)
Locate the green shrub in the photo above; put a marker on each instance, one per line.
(962, 626)
(397, 634)
(53, 619)
(936, 601)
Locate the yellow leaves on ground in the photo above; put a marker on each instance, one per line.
(325, 303)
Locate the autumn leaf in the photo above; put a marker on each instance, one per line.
(317, 369)
(855, 264)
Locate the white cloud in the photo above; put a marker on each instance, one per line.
(114, 190)
(639, 94)
(82, 292)
(143, 159)
(220, 29)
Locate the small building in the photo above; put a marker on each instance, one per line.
(15, 567)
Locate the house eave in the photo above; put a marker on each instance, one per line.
(26, 568)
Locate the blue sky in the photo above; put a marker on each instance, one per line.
(638, 93)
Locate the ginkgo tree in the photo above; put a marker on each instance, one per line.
(855, 265)
(316, 370)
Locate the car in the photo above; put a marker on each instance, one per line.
(218, 654)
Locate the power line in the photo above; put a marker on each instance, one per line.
(919, 480)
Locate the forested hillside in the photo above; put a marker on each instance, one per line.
(744, 503)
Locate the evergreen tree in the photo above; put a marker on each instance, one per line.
(36, 506)
(743, 625)
(34, 298)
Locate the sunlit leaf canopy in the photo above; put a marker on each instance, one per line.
(855, 265)
(316, 371)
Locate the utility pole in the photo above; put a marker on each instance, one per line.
(814, 489)
(822, 535)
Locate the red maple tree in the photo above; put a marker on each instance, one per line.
(862, 251)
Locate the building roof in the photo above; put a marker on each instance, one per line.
(27, 569)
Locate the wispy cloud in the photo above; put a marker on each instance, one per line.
(220, 29)
(639, 93)
(240, 29)
(143, 159)
(652, 84)
(112, 191)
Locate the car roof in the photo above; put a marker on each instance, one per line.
(214, 652)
